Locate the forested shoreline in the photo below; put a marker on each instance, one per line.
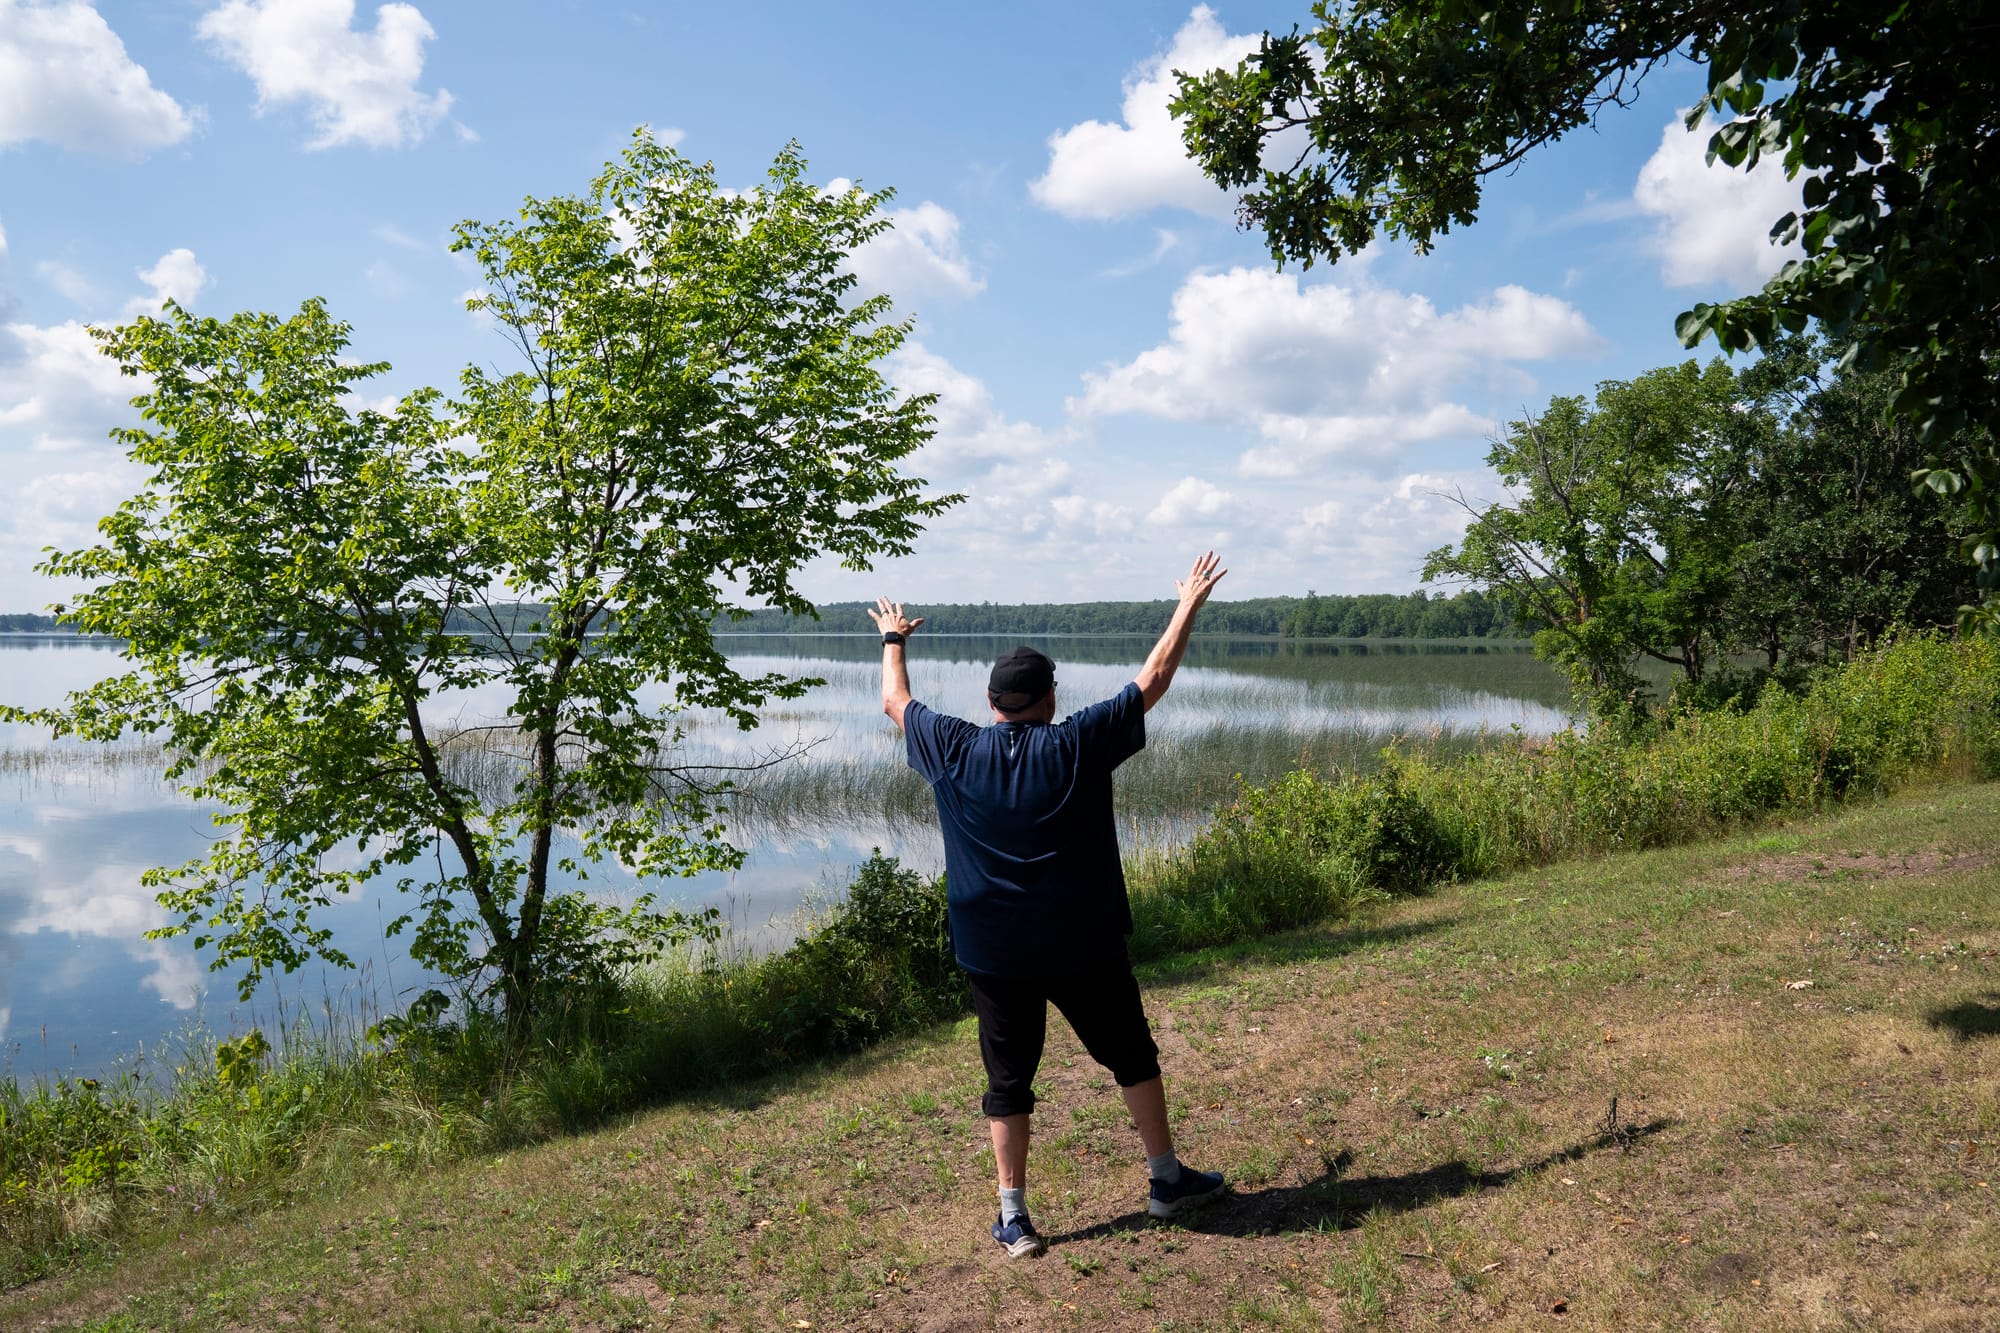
(1418, 615)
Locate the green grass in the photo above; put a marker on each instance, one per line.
(83, 1165)
(1781, 1159)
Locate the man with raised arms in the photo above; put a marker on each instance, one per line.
(1035, 887)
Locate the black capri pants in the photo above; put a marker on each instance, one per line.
(1103, 1008)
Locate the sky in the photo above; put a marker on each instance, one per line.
(1125, 378)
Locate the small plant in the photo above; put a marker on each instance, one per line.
(239, 1062)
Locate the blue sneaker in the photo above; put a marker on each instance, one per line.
(1192, 1189)
(1019, 1237)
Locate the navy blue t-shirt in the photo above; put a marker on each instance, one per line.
(1034, 883)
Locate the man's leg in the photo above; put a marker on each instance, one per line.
(1010, 1150)
(1013, 1025)
(1148, 1104)
(1110, 1021)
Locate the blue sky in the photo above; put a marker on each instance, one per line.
(1125, 377)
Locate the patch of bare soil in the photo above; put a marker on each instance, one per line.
(1394, 1169)
(1858, 865)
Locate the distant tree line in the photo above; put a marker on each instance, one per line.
(1418, 615)
(1470, 614)
(501, 618)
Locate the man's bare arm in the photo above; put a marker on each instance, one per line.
(1158, 673)
(889, 618)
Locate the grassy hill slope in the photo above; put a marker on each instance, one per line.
(1752, 1084)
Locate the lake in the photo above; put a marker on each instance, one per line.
(81, 988)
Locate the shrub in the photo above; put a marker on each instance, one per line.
(879, 964)
(1918, 707)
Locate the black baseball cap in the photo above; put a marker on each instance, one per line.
(1021, 676)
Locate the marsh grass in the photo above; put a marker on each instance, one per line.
(1164, 793)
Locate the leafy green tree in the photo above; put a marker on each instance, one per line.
(1621, 535)
(1837, 547)
(699, 412)
(1399, 112)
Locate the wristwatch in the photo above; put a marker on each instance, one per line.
(893, 637)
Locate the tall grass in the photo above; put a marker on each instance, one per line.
(238, 1125)
(1313, 843)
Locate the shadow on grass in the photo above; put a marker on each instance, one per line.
(1321, 943)
(1968, 1018)
(1335, 1201)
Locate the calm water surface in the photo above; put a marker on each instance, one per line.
(82, 988)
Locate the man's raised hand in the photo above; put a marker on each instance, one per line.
(1201, 580)
(889, 618)
(1165, 659)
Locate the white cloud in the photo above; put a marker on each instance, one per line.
(1714, 222)
(1191, 500)
(918, 256)
(56, 386)
(59, 398)
(1102, 170)
(1292, 444)
(68, 281)
(975, 441)
(1330, 372)
(390, 234)
(1056, 514)
(177, 276)
(72, 502)
(1165, 242)
(1029, 522)
(358, 87)
(66, 79)
(1371, 536)
(1084, 517)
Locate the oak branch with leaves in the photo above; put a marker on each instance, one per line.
(698, 411)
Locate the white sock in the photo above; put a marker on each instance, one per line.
(1166, 1168)
(1013, 1204)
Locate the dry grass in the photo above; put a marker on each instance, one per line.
(1417, 1110)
